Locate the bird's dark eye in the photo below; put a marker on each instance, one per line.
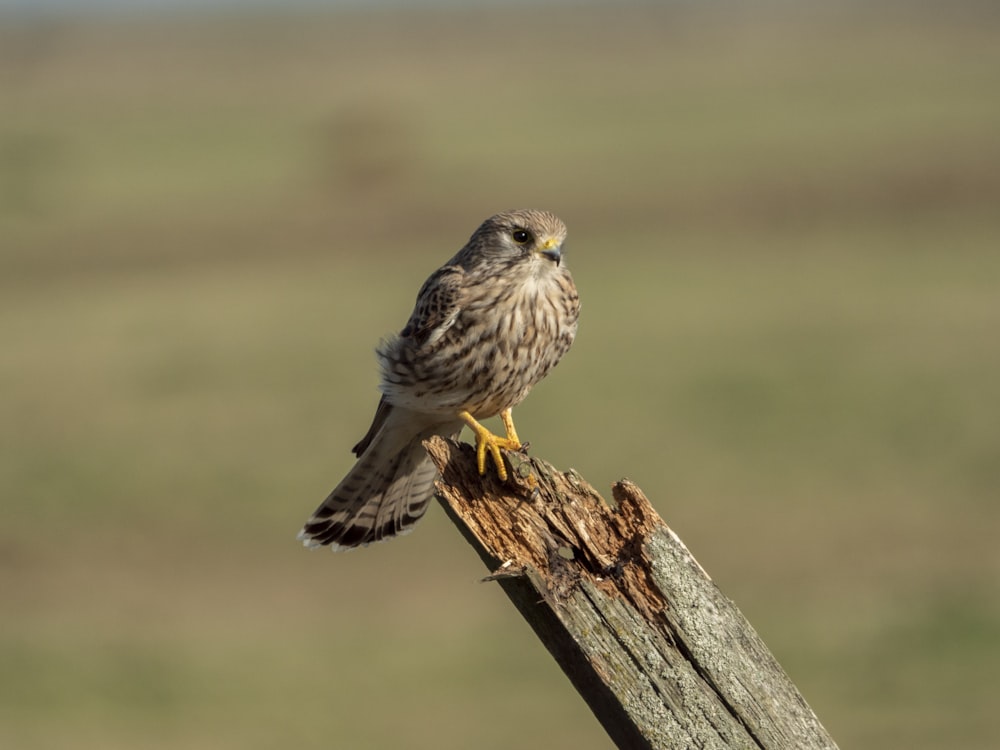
(521, 236)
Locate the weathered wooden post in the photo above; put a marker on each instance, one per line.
(662, 657)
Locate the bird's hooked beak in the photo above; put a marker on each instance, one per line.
(551, 249)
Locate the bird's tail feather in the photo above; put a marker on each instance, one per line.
(383, 495)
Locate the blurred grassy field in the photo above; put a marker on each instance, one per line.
(785, 229)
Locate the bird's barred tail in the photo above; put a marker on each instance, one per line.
(386, 492)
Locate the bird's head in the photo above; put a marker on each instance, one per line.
(519, 235)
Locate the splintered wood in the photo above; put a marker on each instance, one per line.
(662, 657)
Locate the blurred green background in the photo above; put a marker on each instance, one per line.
(785, 228)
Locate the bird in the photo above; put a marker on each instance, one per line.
(486, 327)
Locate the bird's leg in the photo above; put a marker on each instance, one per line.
(508, 424)
(487, 441)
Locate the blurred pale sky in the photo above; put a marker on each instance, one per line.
(169, 5)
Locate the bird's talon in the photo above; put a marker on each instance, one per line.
(487, 441)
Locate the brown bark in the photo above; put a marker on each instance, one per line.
(662, 657)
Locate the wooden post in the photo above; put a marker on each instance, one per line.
(662, 657)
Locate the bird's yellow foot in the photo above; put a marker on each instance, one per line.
(487, 441)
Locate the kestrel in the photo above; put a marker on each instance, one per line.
(486, 327)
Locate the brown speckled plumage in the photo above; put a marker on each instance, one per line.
(486, 327)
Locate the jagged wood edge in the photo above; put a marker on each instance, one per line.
(661, 656)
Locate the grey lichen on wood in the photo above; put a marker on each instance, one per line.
(662, 657)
